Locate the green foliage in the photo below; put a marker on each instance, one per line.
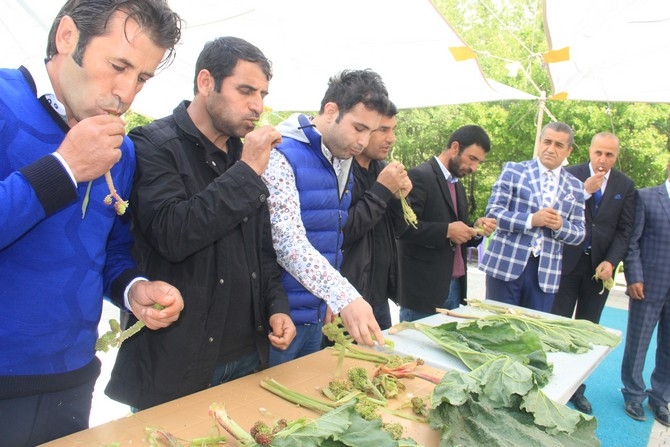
(513, 31)
(499, 405)
(134, 119)
(476, 346)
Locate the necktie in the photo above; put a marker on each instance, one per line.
(548, 192)
(548, 189)
(459, 262)
(597, 196)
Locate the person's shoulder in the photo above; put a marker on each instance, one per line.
(621, 177)
(517, 166)
(425, 166)
(158, 131)
(577, 168)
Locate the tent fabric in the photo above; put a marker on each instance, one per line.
(407, 42)
(609, 50)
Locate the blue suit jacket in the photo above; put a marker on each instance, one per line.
(648, 253)
(516, 194)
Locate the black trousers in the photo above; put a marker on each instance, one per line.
(32, 420)
(579, 293)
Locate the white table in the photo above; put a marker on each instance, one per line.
(570, 370)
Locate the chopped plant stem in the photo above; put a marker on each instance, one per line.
(608, 284)
(297, 398)
(87, 196)
(451, 313)
(115, 336)
(408, 213)
(120, 205)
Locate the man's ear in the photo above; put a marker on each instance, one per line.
(331, 112)
(67, 36)
(205, 82)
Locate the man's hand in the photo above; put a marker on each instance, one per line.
(605, 270)
(91, 147)
(283, 331)
(636, 291)
(547, 217)
(144, 294)
(359, 321)
(595, 182)
(330, 316)
(394, 177)
(487, 224)
(459, 232)
(257, 146)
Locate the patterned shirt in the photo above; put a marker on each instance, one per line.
(295, 253)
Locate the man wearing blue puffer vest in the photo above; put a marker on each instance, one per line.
(309, 179)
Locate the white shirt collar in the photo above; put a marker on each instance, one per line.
(38, 70)
(543, 169)
(447, 175)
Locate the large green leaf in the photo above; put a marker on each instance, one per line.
(480, 409)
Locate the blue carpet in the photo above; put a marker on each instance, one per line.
(603, 389)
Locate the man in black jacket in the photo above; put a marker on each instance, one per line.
(432, 257)
(201, 219)
(369, 252)
(610, 216)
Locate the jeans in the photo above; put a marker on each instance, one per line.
(307, 340)
(454, 296)
(225, 372)
(382, 313)
(453, 300)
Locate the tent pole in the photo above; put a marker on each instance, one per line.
(538, 122)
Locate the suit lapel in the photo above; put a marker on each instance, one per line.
(535, 183)
(444, 189)
(664, 199)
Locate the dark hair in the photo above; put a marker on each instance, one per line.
(391, 111)
(221, 55)
(469, 135)
(560, 127)
(91, 17)
(350, 87)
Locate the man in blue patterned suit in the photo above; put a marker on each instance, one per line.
(539, 206)
(647, 273)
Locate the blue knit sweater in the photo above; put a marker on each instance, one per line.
(55, 265)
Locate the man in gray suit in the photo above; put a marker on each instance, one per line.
(647, 270)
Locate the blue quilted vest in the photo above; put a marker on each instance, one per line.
(323, 215)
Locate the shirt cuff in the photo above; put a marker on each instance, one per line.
(529, 221)
(126, 299)
(60, 158)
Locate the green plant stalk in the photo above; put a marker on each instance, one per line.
(115, 336)
(297, 398)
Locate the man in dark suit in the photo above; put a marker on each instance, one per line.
(647, 270)
(432, 256)
(609, 213)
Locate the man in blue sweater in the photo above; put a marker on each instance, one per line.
(62, 247)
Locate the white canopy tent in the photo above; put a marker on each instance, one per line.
(406, 41)
(609, 50)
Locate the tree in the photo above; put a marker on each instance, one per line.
(509, 36)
